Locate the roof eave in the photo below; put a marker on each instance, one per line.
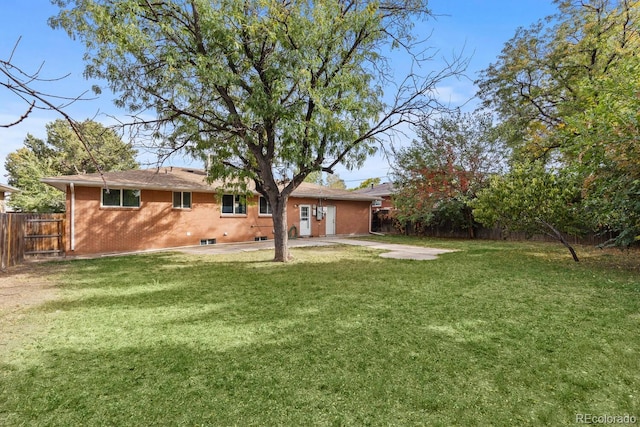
(9, 189)
(62, 184)
(332, 197)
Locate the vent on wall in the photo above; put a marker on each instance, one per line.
(259, 238)
(207, 242)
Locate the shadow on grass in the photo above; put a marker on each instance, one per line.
(341, 337)
(297, 376)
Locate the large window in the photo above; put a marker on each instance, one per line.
(182, 199)
(265, 207)
(234, 204)
(116, 197)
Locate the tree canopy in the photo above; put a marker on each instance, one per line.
(334, 181)
(438, 175)
(273, 90)
(533, 200)
(566, 92)
(369, 182)
(63, 154)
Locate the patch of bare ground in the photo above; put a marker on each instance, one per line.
(22, 288)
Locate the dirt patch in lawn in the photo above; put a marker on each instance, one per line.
(21, 288)
(28, 285)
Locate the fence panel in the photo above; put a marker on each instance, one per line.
(11, 240)
(495, 233)
(30, 235)
(44, 234)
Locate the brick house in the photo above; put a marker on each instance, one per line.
(382, 208)
(171, 207)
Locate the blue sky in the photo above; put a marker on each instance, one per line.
(477, 28)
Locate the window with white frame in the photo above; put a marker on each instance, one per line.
(376, 203)
(265, 207)
(119, 197)
(234, 204)
(182, 199)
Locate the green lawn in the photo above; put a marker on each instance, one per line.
(498, 333)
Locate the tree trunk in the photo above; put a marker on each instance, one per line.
(556, 234)
(469, 216)
(280, 236)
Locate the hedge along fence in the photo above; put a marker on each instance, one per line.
(30, 235)
(494, 233)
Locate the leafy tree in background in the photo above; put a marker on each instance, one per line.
(63, 154)
(566, 91)
(437, 176)
(534, 200)
(334, 181)
(607, 151)
(315, 177)
(367, 183)
(25, 167)
(273, 90)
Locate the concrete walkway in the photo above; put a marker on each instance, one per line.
(393, 250)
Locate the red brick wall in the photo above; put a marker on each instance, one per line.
(387, 203)
(155, 224)
(352, 217)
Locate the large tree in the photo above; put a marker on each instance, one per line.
(534, 200)
(566, 91)
(606, 151)
(272, 89)
(438, 175)
(63, 154)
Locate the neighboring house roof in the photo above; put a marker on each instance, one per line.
(183, 179)
(8, 189)
(382, 190)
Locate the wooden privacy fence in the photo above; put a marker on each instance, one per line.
(30, 235)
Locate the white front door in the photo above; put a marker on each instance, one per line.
(305, 220)
(330, 221)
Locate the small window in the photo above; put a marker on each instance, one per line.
(111, 197)
(182, 199)
(376, 203)
(131, 198)
(234, 204)
(121, 198)
(265, 207)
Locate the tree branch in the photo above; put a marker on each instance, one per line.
(41, 100)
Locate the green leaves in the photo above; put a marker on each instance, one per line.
(567, 92)
(26, 168)
(294, 83)
(270, 90)
(63, 154)
(439, 175)
(530, 196)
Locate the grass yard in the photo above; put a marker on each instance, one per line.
(498, 333)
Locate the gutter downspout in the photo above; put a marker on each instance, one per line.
(73, 218)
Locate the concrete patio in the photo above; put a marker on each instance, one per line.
(391, 250)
